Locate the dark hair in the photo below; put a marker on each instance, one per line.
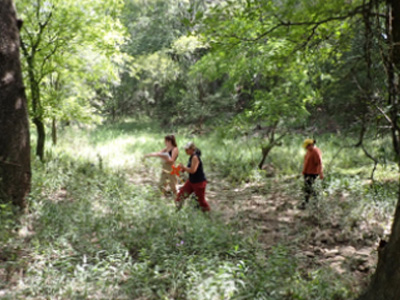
(171, 138)
(315, 141)
(198, 151)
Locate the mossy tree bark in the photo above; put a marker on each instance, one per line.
(15, 170)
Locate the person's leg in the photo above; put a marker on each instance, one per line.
(309, 181)
(163, 182)
(313, 191)
(184, 192)
(307, 188)
(165, 177)
(173, 181)
(200, 191)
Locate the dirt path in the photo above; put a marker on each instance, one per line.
(316, 241)
(272, 215)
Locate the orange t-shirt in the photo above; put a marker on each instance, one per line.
(313, 162)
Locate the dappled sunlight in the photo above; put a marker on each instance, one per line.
(99, 217)
(285, 117)
(120, 151)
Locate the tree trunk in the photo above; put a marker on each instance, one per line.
(15, 169)
(113, 113)
(272, 142)
(54, 131)
(37, 110)
(37, 113)
(385, 282)
(41, 137)
(265, 151)
(395, 14)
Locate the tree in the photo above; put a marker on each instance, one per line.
(15, 170)
(161, 81)
(71, 51)
(384, 284)
(315, 27)
(254, 51)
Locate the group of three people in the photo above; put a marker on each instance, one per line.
(197, 181)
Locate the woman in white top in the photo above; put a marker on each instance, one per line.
(169, 155)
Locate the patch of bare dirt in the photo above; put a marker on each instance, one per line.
(317, 239)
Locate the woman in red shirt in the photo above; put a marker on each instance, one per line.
(311, 170)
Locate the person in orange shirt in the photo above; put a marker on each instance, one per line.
(311, 170)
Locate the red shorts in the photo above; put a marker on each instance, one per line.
(199, 189)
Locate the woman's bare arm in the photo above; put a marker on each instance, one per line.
(157, 154)
(171, 160)
(194, 165)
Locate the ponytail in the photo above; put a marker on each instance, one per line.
(171, 138)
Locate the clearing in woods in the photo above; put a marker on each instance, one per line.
(97, 200)
(316, 236)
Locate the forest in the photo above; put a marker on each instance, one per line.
(277, 120)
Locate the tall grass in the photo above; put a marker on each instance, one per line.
(122, 145)
(95, 234)
(99, 237)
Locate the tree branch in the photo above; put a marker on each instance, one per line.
(314, 24)
(45, 60)
(42, 26)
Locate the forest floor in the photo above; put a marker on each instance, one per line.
(316, 236)
(98, 228)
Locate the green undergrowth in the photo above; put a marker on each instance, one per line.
(96, 236)
(236, 159)
(94, 232)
